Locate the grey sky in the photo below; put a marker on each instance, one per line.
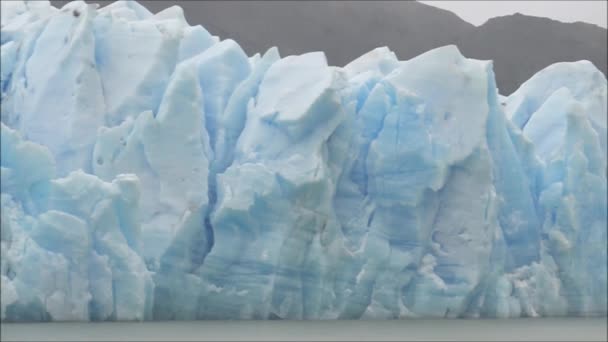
(477, 12)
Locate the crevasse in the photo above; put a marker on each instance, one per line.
(150, 170)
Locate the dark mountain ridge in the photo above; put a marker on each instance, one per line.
(519, 45)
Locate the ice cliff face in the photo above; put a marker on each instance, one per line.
(151, 171)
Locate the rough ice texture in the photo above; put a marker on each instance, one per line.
(153, 171)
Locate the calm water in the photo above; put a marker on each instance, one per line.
(410, 330)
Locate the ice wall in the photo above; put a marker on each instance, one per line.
(153, 171)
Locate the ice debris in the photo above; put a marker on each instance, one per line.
(153, 171)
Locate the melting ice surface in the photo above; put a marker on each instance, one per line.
(153, 171)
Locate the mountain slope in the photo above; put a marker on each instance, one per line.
(519, 45)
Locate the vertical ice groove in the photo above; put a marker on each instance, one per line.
(150, 170)
(517, 215)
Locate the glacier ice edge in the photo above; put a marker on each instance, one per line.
(158, 172)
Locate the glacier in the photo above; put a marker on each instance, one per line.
(153, 171)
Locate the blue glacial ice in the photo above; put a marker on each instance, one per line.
(152, 171)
